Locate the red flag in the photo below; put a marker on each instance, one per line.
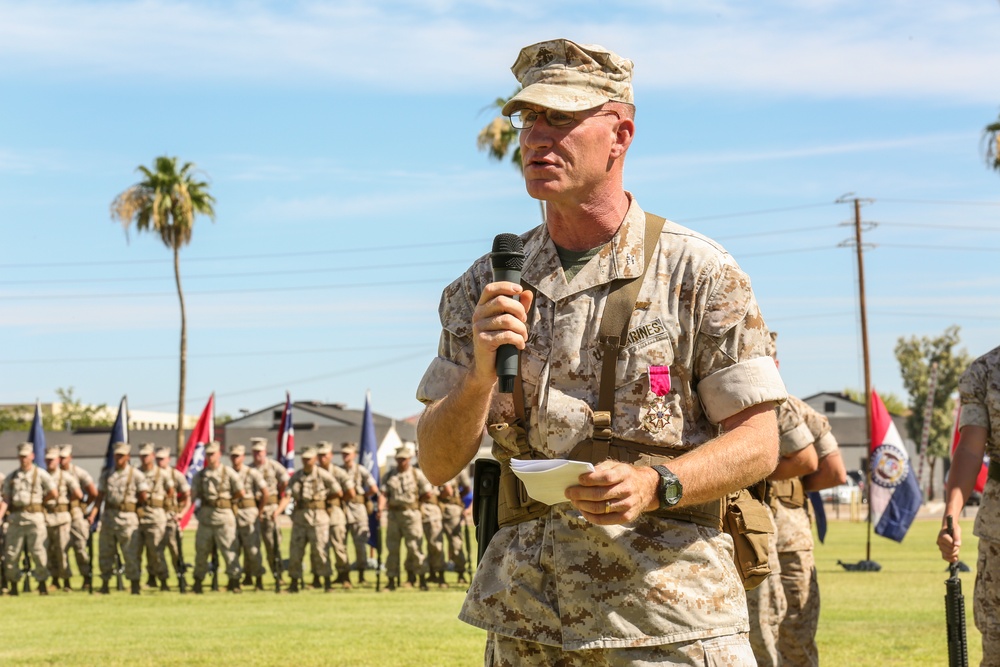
(192, 459)
(956, 436)
(286, 436)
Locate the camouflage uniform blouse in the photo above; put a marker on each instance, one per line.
(22, 489)
(273, 473)
(979, 388)
(560, 580)
(66, 486)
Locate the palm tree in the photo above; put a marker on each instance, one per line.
(499, 136)
(991, 137)
(165, 202)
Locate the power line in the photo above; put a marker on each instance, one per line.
(954, 202)
(971, 228)
(743, 214)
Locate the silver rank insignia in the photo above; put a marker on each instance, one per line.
(657, 415)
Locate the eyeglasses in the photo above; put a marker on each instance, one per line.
(525, 118)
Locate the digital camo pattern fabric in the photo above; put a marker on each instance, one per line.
(695, 314)
(979, 388)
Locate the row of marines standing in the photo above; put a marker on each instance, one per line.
(238, 510)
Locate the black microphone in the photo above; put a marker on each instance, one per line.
(508, 260)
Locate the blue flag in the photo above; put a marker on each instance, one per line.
(820, 513)
(37, 436)
(119, 433)
(369, 460)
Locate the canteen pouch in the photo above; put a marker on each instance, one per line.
(747, 521)
(485, 498)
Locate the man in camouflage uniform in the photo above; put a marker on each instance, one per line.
(433, 524)
(453, 514)
(122, 490)
(248, 514)
(219, 489)
(3, 535)
(80, 527)
(403, 489)
(360, 505)
(276, 478)
(176, 506)
(609, 574)
(310, 488)
(338, 517)
(24, 491)
(58, 517)
(153, 516)
(979, 424)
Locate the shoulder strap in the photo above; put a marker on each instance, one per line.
(611, 337)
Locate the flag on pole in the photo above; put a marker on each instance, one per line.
(369, 460)
(192, 459)
(894, 498)
(37, 435)
(819, 513)
(955, 437)
(119, 433)
(286, 436)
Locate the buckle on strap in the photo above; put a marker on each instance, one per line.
(602, 436)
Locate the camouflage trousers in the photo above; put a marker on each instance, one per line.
(223, 536)
(767, 606)
(337, 543)
(986, 600)
(171, 544)
(58, 543)
(797, 636)
(152, 531)
(451, 526)
(404, 526)
(359, 537)
(434, 534)
(308, 527)
(726, 651)
(120, 530)
(26, 529)
(267, 533)
(248, 530)
(79, 532)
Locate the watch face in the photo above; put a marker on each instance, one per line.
(671, 491)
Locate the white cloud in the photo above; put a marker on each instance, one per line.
(823, 48)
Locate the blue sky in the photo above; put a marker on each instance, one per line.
(339, 139)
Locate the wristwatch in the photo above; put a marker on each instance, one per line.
(670, 489)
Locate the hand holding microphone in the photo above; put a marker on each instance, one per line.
(507, 259)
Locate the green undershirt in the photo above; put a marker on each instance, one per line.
(572, 261)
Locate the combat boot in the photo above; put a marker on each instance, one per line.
(66, 586)
(461, 578)
(294, 586)
(315, 583)
(440, 580)
(233, 586)
(260, 583)
(42, 588)
(361, 576)
(136, 588)
(196, 589)
(411, 579)
(105, 586)
(248, 579)
(392, 584)
(423, 582)
(327, 584)
(164, 586)
(13, 590)
(150, 581)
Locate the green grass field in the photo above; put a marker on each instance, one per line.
(892, 617)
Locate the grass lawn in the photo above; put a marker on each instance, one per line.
(892, 617)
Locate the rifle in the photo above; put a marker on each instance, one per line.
(486, 496)
(119, 570)
(954, 606)
(88, 581)
(3, 550)
(378, 548)
(276, 564)
(213, 566)
(26, 568)
(468, 547)
(181, 565)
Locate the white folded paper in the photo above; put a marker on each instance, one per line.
(546, 480)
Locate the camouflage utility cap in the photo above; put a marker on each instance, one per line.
(66, 450)
(146, 448)
(122, 448)
(25, 448)
(237, 450)
(566, 76)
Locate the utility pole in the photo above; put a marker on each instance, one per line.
(859, 247)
